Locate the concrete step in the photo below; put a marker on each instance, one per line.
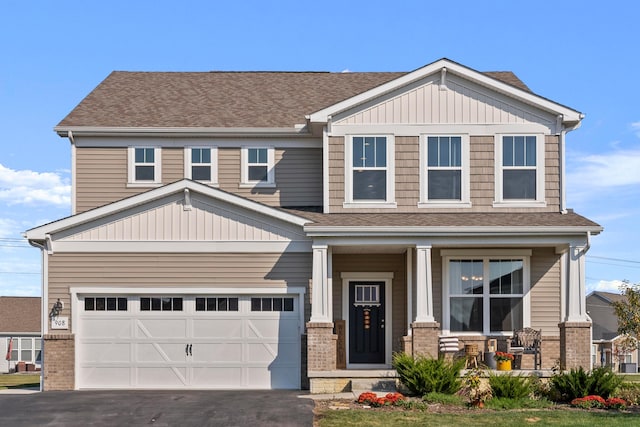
(374, 384)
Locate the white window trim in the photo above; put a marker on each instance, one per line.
(461, 254)
(214, 164)
(465, 192)
(348, 176)
(540, 200)
(157, 167)
(244, 169)
(387, 278)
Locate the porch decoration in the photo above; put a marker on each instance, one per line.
(503, 360)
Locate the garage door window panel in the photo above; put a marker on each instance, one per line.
(160, 304)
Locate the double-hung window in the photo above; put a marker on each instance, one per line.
(258, 166)
(144, 165)
(444, 172)
(370, 173)
(520, 176)
(200, 164)
(486, 294)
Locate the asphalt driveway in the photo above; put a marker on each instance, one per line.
(157, 408)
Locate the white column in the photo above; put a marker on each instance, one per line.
(576, 285)
(424, 286)
(320, 296)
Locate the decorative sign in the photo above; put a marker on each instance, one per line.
(59, 322)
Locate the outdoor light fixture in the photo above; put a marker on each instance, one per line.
(57, 308)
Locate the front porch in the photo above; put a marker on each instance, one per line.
(374, 301)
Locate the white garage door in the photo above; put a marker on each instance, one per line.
(199, 342)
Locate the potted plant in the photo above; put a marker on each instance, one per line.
(503, 360)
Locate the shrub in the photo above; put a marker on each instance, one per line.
(579, 383)
(510, 386)
(422, 375)
(372, 399)
(616, 403)
(629, 392)
(588, 402)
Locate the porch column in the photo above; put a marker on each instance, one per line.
(320, 294)
(424, 286)
(575, 330)
(576, 310)
(425, 329)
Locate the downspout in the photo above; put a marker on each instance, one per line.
(43, 307)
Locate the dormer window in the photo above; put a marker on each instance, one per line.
(144, 166)
(520, 179)
(370, 178)
(258, 167)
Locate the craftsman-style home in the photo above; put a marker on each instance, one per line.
(295, 229)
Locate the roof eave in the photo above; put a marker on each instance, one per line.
(451, 231)
(298, 130)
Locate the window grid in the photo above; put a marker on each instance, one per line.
(258, 164)
(216, 304)
(444, 168)
(369, 163)
(272, 304)
(144, 163)
(160, 304)
(105, 304)
(201, 164)
(519, 167)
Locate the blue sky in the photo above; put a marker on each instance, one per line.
(582, 54)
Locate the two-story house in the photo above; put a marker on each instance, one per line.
(224, 223)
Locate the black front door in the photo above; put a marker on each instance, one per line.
(366, 322)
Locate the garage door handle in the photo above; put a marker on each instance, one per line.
(186, 350)
(190, 347)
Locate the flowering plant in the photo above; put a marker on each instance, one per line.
(588, 402)
(616, 403)
(475, 389)
(372, 399)
(501, 356)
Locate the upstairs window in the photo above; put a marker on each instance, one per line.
(444, 174)
(201, 164)
(258, 166)
(144, 165)
(369, 177)
(521, 174)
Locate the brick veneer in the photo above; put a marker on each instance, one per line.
(59, 362)
(321, 347)
(575, 345)
(424, 338)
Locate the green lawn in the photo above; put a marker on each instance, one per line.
(19, 380)
(471, 417)
(632, 378)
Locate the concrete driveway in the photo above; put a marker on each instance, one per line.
(157, 408)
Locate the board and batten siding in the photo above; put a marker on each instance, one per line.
(175, 270)
(168, 220)
(102, 174)
(459, 101)
(482, 170)
(376, 263)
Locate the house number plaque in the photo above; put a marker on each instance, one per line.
(60, 322)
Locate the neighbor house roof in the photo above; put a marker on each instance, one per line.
(610, 297)
(20, 314)
(223, 99)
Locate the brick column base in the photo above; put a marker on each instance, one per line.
(424, 339)
(321, 347)
(575, 345)
(59, 362)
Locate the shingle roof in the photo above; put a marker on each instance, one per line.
(223, 99)
(20, 314)
(538, 219)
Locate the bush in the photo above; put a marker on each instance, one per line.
(510, 386)
(577, 383)
(629, 392)
(423, 375)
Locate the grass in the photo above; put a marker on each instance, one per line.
(631, 378)
(19, 380)
(471, 417)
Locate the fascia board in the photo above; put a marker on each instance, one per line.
(447, 231)
(40, 233)
(63, 131)
(569, 115)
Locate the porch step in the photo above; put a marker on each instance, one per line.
(373, 384)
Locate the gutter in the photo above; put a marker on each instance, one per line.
(445, 231)
(74, 131)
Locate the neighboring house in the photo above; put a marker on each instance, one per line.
(606, 349)
(224, 223)
(20, 322)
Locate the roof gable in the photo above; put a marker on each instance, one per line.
(168, 210)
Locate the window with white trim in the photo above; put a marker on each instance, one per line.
(369, 172)
(486, 295)
(25, 349)
(444, 172)
(144, 165)
(258, 166)
(520, 176)
(201, 164)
